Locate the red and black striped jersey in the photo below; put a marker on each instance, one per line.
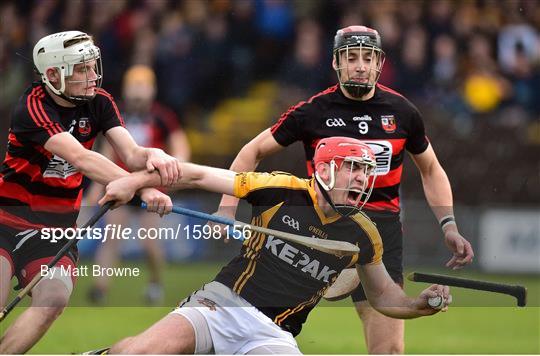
(388, 122)
(37, 188)
(283, 279)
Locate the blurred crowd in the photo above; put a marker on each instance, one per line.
(473, 67)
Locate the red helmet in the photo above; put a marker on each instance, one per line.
(334, 151)
(337, 148)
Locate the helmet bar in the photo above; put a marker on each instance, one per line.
(370, 57)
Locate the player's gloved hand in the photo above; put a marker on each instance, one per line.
(461, 248)
(156, 201)
(422, 303)
(168, 167)
(120, 190)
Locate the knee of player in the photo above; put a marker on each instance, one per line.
(54, 299)
(47, 314)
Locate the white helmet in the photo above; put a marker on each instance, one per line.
(62, 51)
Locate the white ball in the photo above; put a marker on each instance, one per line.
(436, 302)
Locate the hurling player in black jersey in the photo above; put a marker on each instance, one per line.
(52, 130)
(359, 107)
(259, 301)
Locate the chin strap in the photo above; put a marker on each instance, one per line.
(76, 100)
(343, 210)
(356, 90)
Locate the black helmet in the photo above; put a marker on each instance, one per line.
(361, 37)
(356, 36)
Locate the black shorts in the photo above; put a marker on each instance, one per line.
(26, 251)
(392, 236)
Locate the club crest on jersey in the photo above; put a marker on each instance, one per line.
(84, 126)
(388, 123)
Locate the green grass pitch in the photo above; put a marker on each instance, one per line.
(478, 323)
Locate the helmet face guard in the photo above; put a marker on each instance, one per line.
(62, 51)
(357, 196)
(353, 44)
(343, 153)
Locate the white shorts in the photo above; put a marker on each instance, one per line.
(236, 326)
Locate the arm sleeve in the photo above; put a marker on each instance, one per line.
(108, 113)
(262, 189)
(417, 141)
(290, 126)
(34, 121)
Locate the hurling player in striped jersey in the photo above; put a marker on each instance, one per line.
(53, 127)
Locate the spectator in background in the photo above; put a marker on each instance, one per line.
(243, 40)
(445, 62)
(274, 23)
(391, 32)
(519, 58)
(445, 82)
(522, 104)
(176, 64)
(106, 20)
(484, 87)
(13, 70)
(517, 40)
(413, 73)
(151, 125)
(303, 72)
(213, 48)
(439, 17)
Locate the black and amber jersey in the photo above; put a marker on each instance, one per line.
(388, 122)
(283, 279)
(37, 188)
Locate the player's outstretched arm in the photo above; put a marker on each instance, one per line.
(247, 160)
(389, 299)
(100, 169)
(193, 176)
(137, 157)
(439, 196)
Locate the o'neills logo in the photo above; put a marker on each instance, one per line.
(318, 232)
